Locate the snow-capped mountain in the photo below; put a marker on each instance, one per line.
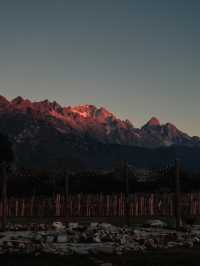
(47, 135)
(84, 121)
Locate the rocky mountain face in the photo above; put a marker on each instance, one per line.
(87, 120)
(48, 129)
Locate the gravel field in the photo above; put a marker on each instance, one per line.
(99, 244)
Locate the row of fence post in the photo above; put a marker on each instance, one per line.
(127, 195)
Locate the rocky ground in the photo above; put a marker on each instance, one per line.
(99, 243)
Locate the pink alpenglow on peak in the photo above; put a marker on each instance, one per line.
(88, 120)
(153, 122)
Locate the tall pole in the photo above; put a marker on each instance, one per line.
(66, 191)
(126, 179)
(178, 195)
(4, 197)
(66, 185)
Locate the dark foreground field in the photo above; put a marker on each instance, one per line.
(188, 257)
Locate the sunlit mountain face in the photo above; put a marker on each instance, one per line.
(97, 123)
(47, 128)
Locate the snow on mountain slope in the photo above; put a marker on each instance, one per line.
(86, 121)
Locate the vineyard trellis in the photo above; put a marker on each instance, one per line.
(101, 205)
(123, 204)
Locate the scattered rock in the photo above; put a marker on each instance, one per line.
(58, 226)
(62, 239)
(50, 238)
(156, 223)
(96, 238)
(73, 226)
(172, 244)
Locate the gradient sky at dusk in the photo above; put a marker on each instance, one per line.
(138, 58)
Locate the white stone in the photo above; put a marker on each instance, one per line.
(73, 226)
(58, 226)
(62, 238)
(156, 223)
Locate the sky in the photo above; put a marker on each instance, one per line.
(138, 58)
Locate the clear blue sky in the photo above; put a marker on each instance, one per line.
(138, 58)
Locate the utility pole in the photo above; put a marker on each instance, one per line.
(66, 191)
(126, 180)
(178, 195)
(4, 196)
(66, 184)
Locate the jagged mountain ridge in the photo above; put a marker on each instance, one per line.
(84, 121)
(47, 135)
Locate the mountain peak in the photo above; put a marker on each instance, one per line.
(21, 104)
(17, 100)
(97, 122)
(86, 110)
(103, 113)
(4, 103)
(3, 99)
(153, 122)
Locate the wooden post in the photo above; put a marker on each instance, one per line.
(178, 196)
(4, 197)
